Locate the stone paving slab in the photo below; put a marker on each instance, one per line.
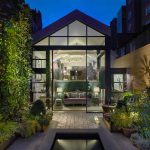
(77, 120)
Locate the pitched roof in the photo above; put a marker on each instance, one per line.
(71, 17)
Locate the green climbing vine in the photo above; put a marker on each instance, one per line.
(16, 68)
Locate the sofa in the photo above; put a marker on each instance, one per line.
(76, 98)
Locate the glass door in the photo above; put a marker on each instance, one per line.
(95, 66)
(69, 80)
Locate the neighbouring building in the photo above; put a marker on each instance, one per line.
(145, 12)
(133, 16)
(121, 20)
(36, 20)
(71, 61)
(131, 53)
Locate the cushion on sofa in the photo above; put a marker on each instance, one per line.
(82, 95)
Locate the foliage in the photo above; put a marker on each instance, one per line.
(38, 108)
(29, 127)
(140, 142)
(127, 95)
(45, 119)
(14, 80)
(142, 107)
(7, 130)
(121, 118)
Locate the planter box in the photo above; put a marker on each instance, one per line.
(128, 131)
(6, 144)
(114, 128)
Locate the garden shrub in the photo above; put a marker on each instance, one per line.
(45, 119)
(140, 142)
(29, 127)
(121, 118)
(7, 130)
(38, 108)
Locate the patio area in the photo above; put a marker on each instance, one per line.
(75, 120)
(71, 120)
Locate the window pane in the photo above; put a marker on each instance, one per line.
(58, 41)
(61, 32)
(118, 77)
(77, 41)
(43, 42)
(39, 54)
(118, 87)
(39, 63)
(39, 87)
(77, 29)
(92, 32)
(96, 41)
(39, 78)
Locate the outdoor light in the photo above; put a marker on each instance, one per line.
(97, 120)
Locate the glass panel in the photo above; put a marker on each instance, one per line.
(58, 40)
(61, 32)
(37, 96)
(118, 77)
(39, 55)
(96, 41)
(43, 42)
(39, 87)
(69, 83)
(77, 29)
(92, 32)
(118, 87)
(77, 41)
(96, 81)
(39, 63)
(39, 78)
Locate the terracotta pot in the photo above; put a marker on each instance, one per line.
(128, 131)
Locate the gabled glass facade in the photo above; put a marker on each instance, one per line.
(71, 78)
(76, 34)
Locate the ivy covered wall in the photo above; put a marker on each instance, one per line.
(15, 52)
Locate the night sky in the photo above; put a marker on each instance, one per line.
(52, 10)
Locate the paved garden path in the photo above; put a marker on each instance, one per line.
(75, 120)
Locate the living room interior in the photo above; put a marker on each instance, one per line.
(76, 84)
(78, 78)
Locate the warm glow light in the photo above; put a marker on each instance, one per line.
(96, 89)
(59, 90)
(97, 120)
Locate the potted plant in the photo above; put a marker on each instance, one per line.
(115, 118)
(122, 120)
(127, 123)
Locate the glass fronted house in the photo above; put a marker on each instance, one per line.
(71, 61)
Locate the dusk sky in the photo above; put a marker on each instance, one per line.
(52, 10)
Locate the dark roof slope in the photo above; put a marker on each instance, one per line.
(71, 17)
